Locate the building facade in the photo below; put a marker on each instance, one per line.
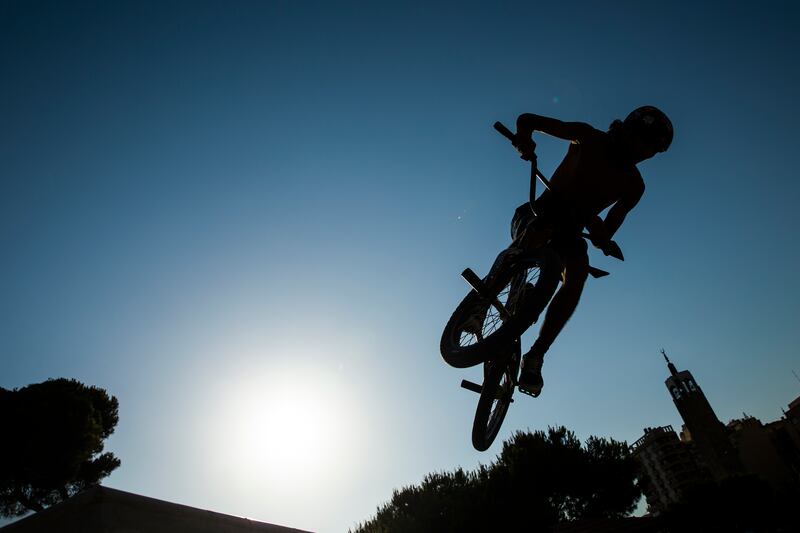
(668, 465)
(709, 451)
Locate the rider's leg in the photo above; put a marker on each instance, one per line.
(563, 304)
(561, 307)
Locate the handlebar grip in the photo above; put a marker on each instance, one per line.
(505, 132)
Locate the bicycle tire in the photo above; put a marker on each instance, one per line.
(498, 388)
(541, 269)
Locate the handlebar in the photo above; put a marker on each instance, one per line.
(505, 132)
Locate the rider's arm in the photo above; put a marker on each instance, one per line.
(575, 132)
(616, 215)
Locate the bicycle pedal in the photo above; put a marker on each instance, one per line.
(528, 393)
(474, 387)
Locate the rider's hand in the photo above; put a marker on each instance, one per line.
(526, 147)
(600, 244)
(605, 246)
(598, 234)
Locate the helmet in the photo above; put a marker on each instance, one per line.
(652, 125)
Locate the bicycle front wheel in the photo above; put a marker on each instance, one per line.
(476, 332)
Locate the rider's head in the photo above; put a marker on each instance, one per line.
(645, 132)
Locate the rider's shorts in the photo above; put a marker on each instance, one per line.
(566, 240)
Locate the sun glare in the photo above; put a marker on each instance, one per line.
(287, 430)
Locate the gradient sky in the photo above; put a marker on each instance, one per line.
(247, 220)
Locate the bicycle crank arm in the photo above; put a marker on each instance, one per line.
(478, 286)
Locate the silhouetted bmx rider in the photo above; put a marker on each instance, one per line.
(598, 171)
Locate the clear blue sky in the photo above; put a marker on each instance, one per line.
(235, 215)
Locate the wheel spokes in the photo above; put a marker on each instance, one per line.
(512, 293)
(500, 403)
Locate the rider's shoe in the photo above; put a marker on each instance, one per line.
(530, 378)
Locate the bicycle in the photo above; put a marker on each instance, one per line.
(488, 324)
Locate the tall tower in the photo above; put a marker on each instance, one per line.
(708, 435)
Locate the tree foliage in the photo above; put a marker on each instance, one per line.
(52, 443)
(739, 504)
(538, 480)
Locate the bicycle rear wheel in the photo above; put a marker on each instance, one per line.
(498, 387)
(476, 332)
